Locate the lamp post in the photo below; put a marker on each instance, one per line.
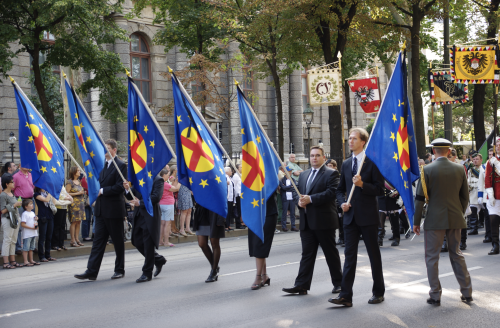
(471, 122)
(12, 140)
(308, 118)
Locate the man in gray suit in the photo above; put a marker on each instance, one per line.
(445, 189)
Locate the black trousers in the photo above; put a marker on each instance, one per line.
(104, 228)
(59, 234)
(473, 218)
(145, 245)
(404, 222)
(394, 219)
(495, 224)
(230, 214)
(369, 233)
(311, 239)
(487, 224)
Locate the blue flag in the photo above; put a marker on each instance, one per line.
(148, 150)
(392, 142)
(39, 148)
(259, 170)
(199, 158)
(91, 148)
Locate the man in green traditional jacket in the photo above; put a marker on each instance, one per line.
(445, 189)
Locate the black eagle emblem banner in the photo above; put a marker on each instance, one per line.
(474, 64)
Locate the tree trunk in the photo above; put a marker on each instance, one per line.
(273, 66)
(40, 89)
(418, 15)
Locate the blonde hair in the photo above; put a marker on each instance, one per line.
(363, 134)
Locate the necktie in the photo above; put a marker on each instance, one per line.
(309, 182)
(355, 167)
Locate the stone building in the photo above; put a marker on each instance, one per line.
(147, 61)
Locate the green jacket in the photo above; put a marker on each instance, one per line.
(448, 193)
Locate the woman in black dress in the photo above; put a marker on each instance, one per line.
(260, 250)
(388, 207)
(209, 224)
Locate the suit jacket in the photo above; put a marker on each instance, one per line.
(448, 193)
(322, 212)
(364, 206)
(111, 204)
(284, 189)
(152, 222)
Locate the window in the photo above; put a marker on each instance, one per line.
(140, 60)
(305, 96)
(247, 83)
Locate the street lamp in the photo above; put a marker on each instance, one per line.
(308, 118)
(471, 122)
(12, 140)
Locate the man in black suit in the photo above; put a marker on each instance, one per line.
(360, 217)
(318, 221)
(109, 212)
(146, 228)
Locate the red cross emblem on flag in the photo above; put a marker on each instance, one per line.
(138, 151)
(42, 145)
(253, 173)
(403, 148)
(197, 154)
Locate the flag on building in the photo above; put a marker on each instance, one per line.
(199, 158)
(443, 91)
(392, 141)
(367, 94)
(89, 143)
(259, 169)
(474, 64)
(149, 151)
(39, 147)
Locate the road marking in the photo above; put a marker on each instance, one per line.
(270, 267)
(18, 312)
(425, 279)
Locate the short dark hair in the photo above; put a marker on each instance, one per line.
(479, 155)
(6, 168)
(112, 143)
(320, 148)
(6, 179)
(26, 202)
(334, 162)
(72, 172)
(164, 172)
(427, 155)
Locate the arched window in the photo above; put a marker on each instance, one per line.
(140, 60)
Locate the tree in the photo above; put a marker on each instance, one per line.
(82, 29)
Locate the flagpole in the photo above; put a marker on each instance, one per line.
(151, 114)
(97, 133)
(374, 125)
(204, 122)
(342, 107)
(46, 124)
(269, 142)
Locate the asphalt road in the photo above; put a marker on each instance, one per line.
(49, 296)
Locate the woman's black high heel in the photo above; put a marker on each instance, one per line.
(213, 276)
(257, 286)
(267, 282)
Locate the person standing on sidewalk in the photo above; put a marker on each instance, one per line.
(24, 188)
(287, 191)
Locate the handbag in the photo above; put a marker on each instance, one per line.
(53, 207)
(14, 217)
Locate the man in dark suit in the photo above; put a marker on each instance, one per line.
(109, 213)
(287, 191)
(146, 228)
(360, 217)
(318, 221)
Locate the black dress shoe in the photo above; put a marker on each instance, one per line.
(295, 229)
(284, 229)
(487, 240)
(473, 232)
(143, 278)
(213, 276)
(391, 238)
(432, 301)
(117, 275)
(395, 242)
(336, 289)
(85, 276)
(340, 242)
(407, 235)
(463, 246)
(376, 299)
(158, 268)
(481, 225)
(495, 250)
(466, 299)
(295, 290)
(341, 301)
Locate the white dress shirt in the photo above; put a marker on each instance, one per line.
(237, 184)
(107, 167)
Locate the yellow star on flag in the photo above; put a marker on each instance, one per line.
(406, 185)
(179, 119)
(141, 182)
(76, 115)
(190, 180)
(89, 140)
(90, 175)
(258, 139)
(136, 119)
(152, 160)
(394, 118)
(27, 125)
(92, 154)
(221, 172)
(255, 203)
(59, 163)
(262, 200)
(203, 183)
(146, 128)
(392, 136)
(32, 117)
(41, 126)
(199, 127)
(149, 174)
(30, 139)
(152, 143)
(43, 169)
(241, 196)
(53, 169)
(218, 179)
(242, 131)
(81, 126)
(395, 157)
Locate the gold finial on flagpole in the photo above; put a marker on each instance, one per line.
(236, 82)
(64, 74)
(127, 72)
(404, 46)
(430, 64)
(170, 70)
(339, 56)
(11, 79)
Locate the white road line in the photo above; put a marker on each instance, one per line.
(425, 279)
(18, 312)
(270, 267)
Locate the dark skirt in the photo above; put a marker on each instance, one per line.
(208, 223)
(256, 247)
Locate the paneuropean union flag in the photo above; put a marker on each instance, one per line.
(148, 149)
(39, 148)
(259, 169)
(392, 142)
(90, 145)
(199, 158)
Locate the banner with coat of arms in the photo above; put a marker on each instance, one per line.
(367, 93)
(324, 86)
(474, 64)
(443, 91)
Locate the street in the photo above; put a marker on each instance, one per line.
(49, 296)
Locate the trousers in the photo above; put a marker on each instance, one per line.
(104, 228)
(143, 241)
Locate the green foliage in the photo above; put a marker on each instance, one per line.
(83, 30)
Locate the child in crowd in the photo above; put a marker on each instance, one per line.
(29, 233)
